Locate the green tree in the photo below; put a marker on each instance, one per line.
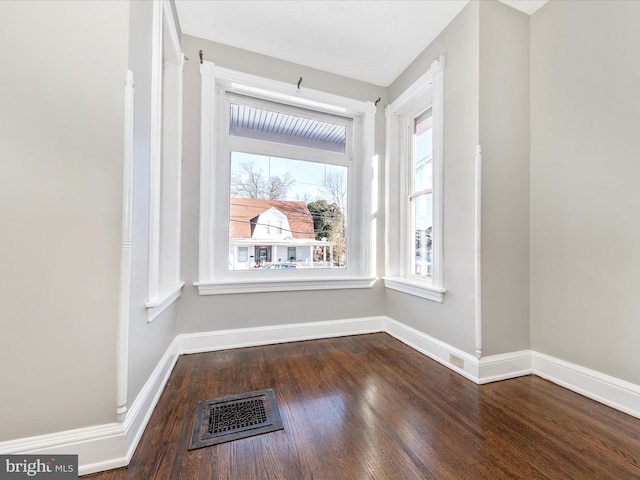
(328, 222)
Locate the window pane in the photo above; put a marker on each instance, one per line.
(273, 126)
(288, 213)
(423, 148)
(422, 208)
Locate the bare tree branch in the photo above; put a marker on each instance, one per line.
(335, 185)
(278, 187)
(251, 183)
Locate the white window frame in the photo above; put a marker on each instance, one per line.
(214, 275)
(426, 92)
(165, 162)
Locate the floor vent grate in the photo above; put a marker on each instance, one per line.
(231, 418)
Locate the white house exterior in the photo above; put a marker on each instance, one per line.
(274, 234)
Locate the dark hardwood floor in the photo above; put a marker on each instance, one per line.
(369, 407)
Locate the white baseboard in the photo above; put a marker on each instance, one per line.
(139, 413)
(108, 446)
(611, 391)
(98, 448)
(249, 337)
(494, 368)
(486, 370)
(433, 348)
(112, 445)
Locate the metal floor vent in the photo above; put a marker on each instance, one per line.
(232, 418)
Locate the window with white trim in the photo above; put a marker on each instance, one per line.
(285, 186)
(414, 176)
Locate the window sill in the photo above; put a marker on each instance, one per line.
(416, 288)
(221, 288)
(166, 296)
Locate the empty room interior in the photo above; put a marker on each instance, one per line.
(410, 227)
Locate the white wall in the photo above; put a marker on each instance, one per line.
(203, 313)
(62, 76)
(453, 320)
(504, 137)
(585, 168)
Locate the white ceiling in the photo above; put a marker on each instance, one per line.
(373, 41)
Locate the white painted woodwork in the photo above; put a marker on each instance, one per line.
(124, 301)
(478, 251)
(165, 163)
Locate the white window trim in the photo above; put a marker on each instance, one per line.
(426, 92)
(165, 164)
(216, 279)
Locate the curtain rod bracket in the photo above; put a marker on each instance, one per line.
(200, 56)
(377, 102)
(299, 82)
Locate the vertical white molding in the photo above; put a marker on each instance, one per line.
(171, 153)
(405, 135)
(155, 152)
(478, 252)
(389, 264)
(438, 173)
(207, 181)
(122, 367)
(178, 170)
(173, 50)
(165, 162)
(367, 150)
(374, 213)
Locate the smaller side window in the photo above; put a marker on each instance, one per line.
(420, 195)
(414, 172)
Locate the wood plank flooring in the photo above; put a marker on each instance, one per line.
(369, 407)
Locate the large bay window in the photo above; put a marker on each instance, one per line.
(414, 179)
(285, 186)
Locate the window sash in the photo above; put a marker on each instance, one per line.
(274, 148)
(419, 264)
(285, 150)
(421, 252)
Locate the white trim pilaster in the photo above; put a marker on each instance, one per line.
(478, 252)
(124, 301)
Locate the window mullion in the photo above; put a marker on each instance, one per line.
(405, 134)
(262, 147)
